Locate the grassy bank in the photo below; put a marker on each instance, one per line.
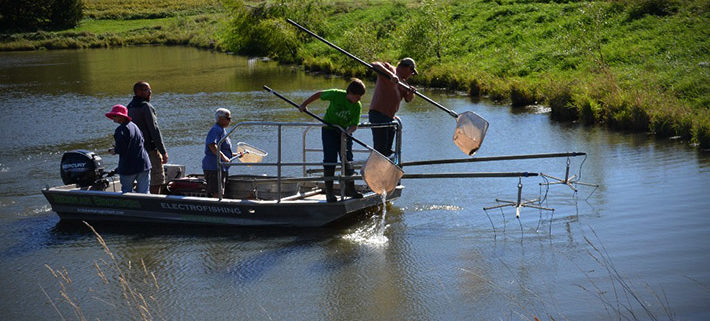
(639, 65)
(110, 23)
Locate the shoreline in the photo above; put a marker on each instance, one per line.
(597, 91)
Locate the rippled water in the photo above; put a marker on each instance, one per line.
(440, 259)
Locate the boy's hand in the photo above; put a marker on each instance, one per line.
(302, 108)
(351, 129)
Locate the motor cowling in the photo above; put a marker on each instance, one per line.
(81, 167)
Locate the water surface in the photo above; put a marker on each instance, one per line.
(442, 259)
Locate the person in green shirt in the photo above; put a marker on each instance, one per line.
(343, 111)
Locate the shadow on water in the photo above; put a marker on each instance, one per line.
(145, 230)
(256, 266)
(292, 240)
(30, 235)
(247, 269)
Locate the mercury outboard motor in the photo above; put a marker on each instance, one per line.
(82, 167)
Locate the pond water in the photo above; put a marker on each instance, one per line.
(635, 248)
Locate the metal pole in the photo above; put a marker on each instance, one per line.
(406, 86)
(343, 161)
(469, 175)
(278, 168)
(408, 176)
(303, 150)
(489, 159)
(398, 146)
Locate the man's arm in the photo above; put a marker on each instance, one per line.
(388, 71)
(152, 123)
(213, 148)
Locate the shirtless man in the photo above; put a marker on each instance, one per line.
(386, 98)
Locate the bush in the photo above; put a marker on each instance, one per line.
(65, 13)
(474, 88)
(40, 14)
(263, 31)
(639, 8)
(521, 94)
(701, 131)
(557, 94)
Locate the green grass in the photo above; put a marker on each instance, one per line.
(641, 65)
(192, 30)
(139, 9)
(120, 26)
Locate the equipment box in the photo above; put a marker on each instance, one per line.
(173, 171)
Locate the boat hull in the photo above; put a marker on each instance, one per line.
(79, 204)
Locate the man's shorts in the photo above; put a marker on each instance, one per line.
(157, 174)
(211, 178)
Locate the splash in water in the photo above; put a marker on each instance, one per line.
(372, 232)
(383, 223)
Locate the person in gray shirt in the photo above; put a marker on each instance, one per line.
(144, 116)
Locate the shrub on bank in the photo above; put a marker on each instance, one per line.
(701, 131)
(40, 14)
(522, 94)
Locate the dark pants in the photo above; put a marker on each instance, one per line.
(331, 152)
(213, 183)
(382, 138)
(331, 145)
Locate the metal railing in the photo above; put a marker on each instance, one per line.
(279, 164)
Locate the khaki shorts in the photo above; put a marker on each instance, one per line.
(157, 174)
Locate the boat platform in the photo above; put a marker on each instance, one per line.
(303, 210)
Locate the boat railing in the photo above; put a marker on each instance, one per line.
(307, 126)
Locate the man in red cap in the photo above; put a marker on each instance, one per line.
(133, 160)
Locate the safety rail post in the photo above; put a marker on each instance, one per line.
(278, 167)
(398, 146)
(343, 161)
(303, 149)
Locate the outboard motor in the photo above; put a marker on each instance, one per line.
(82, 167)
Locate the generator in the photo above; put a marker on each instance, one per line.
(193, 185)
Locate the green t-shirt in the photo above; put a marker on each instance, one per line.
(340, 111)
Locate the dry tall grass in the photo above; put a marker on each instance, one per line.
(624, 298)
(128, 290)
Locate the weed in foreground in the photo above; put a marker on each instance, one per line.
(125, 288)
(620, 302)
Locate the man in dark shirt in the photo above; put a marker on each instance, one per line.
(143, 115)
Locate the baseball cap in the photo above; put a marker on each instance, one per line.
(409, 62)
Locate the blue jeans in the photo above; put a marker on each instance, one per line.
(142, 179)
(382, 138)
